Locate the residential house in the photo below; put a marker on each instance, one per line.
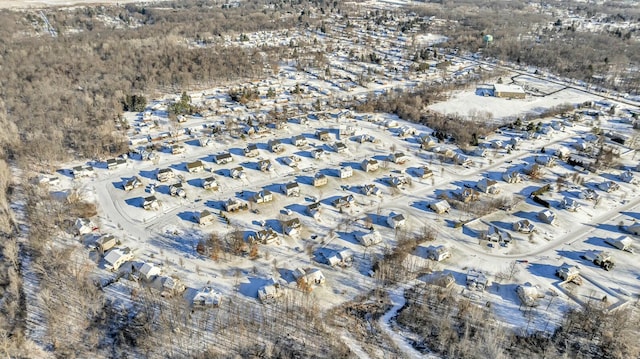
(132, 183)
(177, 149)
(479, 152)
(545, 160)
(299, 141)
(291, 189)
(440, 207)
(210, 183)
(391, 123)
(476, 280)
(205, 218)
(547, 216)
(195, 166)
(489, 186)
(207, 297)
(467, 195)
(396, 220)
(323, 136)
(342, 258)
(265, 236)
(345, 172)
(608, 186)
(148, 271)
(270, 293)
(364, 138)
(370, 165)
(251, 150)
(589, 194)
(370, 190)
(495, 234)
(427, 141)
(292, 227)
(116, 257)
(320, 180)
(205, 141)
(82, 171)
(263, 196)
(223, 158)
(398, 158)
(529, 295)
(167, 286)
(114, 163)
(311, 276)
(397, 181)
(275, 146)
(177, 190)
(370, 238)
(342, 202)
(460, 159)
(165, 174)
(534, 170)
(345, 131)
(406, 131)
(340, 147)
(234, 205)
(569, 204)
(512, 177)
(623, 243)
(443, 280)
(438, 253)
(523, 226)
(237, 173)
(634, 229)
(568, 273)
(627, 176)
(265, 165)
(317, 153)
(291, 161)
(84, 226)
(105, 242)
(150, 202)
(313, 209)
(424, 172)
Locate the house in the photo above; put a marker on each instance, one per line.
(634, 229)
(299, 141)
(291, 189)
(210, 183)
(391, 123)
(223, 158)
(310, 276)
(275, 146)
(545, 160)
(84, 226)
(292, 227)
(320, 180)
(397, 181)
(440, 207)
(398, 158)
(205, 141)
(195, 166)
(370, 165)
(113, 163)
(623, 243)
(234, 205)
(82, 171)
(269, 293)
(569, 204)
(438, 253)
(529, 295)
(263, 196)
(467, 195)
(427, 141)
(396, 220)
(323, 136)
(47, 180)
(340, 147)
(207, 297)
(313, 209)
(317, 153)
(547, 216)
(489, 186)
(116, 257)
(608, 186)
(147, 271)
(251, 151)
(265, 236)
(476, 280)
(177, 190)
(509, 91)
(345, 172)
(569, 273)
(205, 218)
(588, 194)
(443, 280)
(370, 190)
(364, 138)
(341, 202)
(132, 183)
(342, 258)
(177, 149)
(291, 161)
(512, 177)
(237, 173)
(150, 202)
(105, 243)
(495, 234)
(265, 165)
(479, 152)
(424, 172)
(626, 176)
(523, 226)
(460, 159)
(167, 286)
(370, 238)
(406, 131)
(165, 174)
